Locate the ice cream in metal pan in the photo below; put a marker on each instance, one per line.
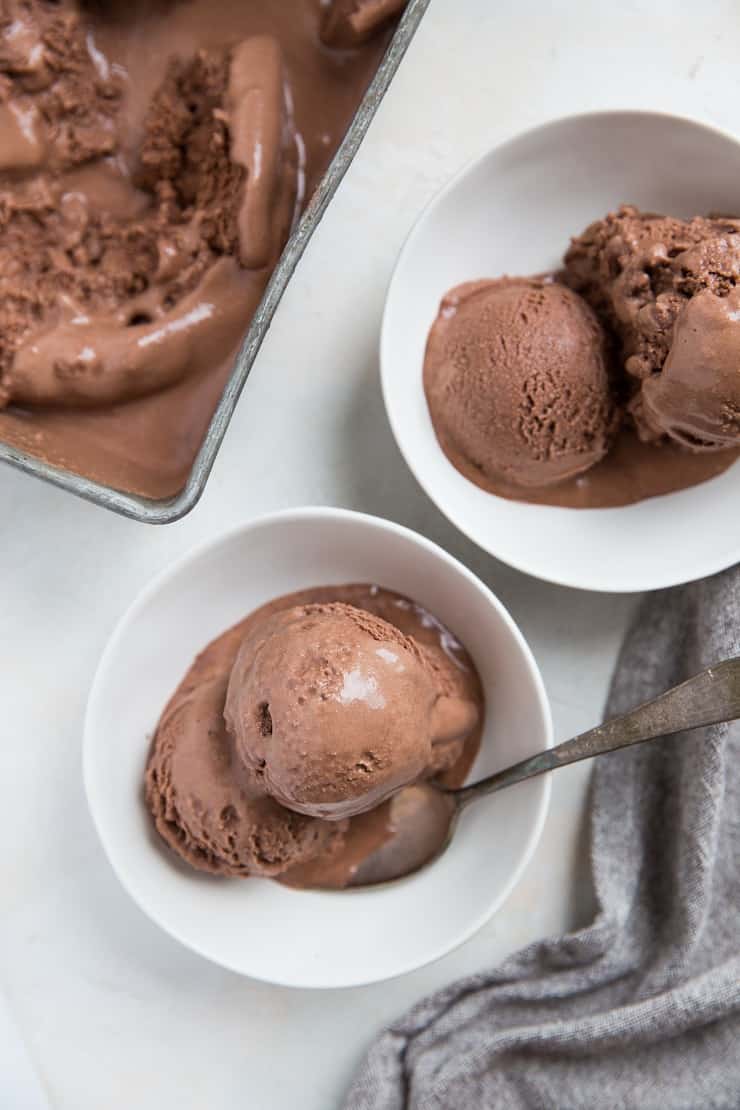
(156, 161)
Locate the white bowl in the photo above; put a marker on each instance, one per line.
(257, 927)
(513, 212)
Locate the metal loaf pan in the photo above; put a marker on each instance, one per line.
(171, 509)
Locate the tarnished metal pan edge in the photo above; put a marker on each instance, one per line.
(164, 512)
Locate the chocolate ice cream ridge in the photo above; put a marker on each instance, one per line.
(669, 289)
(349, 23)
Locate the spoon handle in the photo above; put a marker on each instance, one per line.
(706, 699)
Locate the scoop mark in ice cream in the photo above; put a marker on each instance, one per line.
(259, 127)
(264, 719)
(249, 763)
(187, 290)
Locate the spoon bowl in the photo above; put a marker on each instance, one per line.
(421, 819)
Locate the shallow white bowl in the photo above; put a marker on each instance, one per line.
(257, 927)
(513, 212)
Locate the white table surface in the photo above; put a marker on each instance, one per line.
(114, 1013)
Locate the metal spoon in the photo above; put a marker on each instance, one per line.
(423, 817)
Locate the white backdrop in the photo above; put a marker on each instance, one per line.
(114, 1013)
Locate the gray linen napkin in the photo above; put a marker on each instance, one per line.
(642, 1007)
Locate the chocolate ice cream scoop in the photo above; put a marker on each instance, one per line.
(517, 380)
(211, 810)
(336, 696)
(336, 709)
(695, 400)
(262, 135)
(668, 288)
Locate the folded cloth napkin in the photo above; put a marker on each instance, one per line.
(642, 1007)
